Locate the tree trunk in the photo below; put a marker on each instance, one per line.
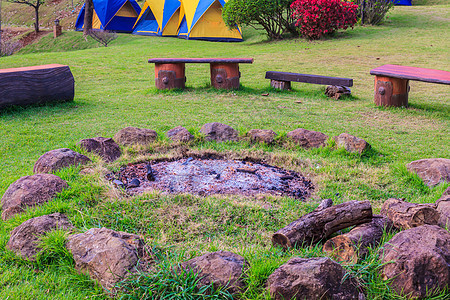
(407, 215)
(0, 28)
(36, 14)
(88, 14)
(349, 247)
(320, 224)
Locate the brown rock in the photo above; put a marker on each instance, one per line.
(107, 255)
(432, 171)
(308, 138)
(262, 135)
(130, 136)
(219, 132)
(24, 238)
(312, 278)
(223, 268)
(351, 143)
(30, 191)
(57, 159)
(104, 147)
(417, 261)
(179, 134)
(443, 207)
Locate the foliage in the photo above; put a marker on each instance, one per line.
(274, 16)
(104, 37)
(36, 4)
(373, 11)
(317, 18)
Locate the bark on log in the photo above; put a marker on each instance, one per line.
(37, 84)
(320, 224)
(407, 215)
(335, 91)
(351, 246)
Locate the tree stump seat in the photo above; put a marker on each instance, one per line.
(392, 82)
(170, 72)
(36, 84)
(282, 80)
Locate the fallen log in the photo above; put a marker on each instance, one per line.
(351, 246)
(320, 224)
(407, 215)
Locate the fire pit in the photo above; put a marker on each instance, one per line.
(213, 176)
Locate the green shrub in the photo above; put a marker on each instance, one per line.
(373, 11)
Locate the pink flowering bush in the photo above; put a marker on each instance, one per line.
(316, 18)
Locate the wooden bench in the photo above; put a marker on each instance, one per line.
(37, 84)
(392, 82)
(170, 72)
(282, 80)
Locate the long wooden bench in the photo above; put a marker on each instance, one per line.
(392, 82)
(282, 80)
(170, 72)
(36, 84)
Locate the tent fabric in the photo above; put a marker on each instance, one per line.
(146, 23)
(164, 12)
(114, 15)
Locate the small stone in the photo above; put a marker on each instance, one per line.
(106, 148)
(219, 132)
(134, 183)
(262, 135)
(308, 138)
(130, 136)
(432, 171)
(351, 143)
(179, 134)
(118, 183)
(54, 160)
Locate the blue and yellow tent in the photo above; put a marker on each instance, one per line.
(202, 20)
(158, 17)
(114, 15)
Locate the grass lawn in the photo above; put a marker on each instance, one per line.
(114, 88)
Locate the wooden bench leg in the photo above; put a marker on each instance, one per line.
(170, 76)
(279, 84)
(391, 91)
(225, 76)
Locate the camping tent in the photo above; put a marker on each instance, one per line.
(114, 15)
(202, 20)
(158, 17)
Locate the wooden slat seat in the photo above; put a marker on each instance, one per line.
(282, 80)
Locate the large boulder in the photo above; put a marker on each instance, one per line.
(222, 268)
(106, 148)
(179, 134)
(351, 143)
(443, 207)
(417, 260)
(219, 132)
(308, 138)
(30, 191)
(54, 160)
(432, 171)
(25, 237)
(262, 135)
(107, 255)
(312, 278)
(130, 136)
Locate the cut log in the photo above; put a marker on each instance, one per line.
(351, 246)
(320, 224)
(335, 91)
(407, 215)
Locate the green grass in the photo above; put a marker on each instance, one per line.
(115, 88)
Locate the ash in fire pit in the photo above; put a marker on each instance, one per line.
(214, 176)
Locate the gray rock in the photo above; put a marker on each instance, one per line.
(308, 138)
(351, 143)
(219, 132)
(30, 191)
(312, 278)
(179, 134)
(106, 148)
(222, 268)
(24, 238)
(130, 136)
(107, 255)
(54, 160)
(262, 135)
(432, 171)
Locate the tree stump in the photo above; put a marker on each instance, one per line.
(320, 224)
(407, 215)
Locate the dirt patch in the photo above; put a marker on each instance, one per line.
(33, 37)
(206, 177)
(20, 36)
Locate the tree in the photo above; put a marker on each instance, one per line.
(274, 16)
(0, 27)
(88, 14)
(36, 4)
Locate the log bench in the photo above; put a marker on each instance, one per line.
(170, 72)
(36, 84)
(392, 82)
(282, 80)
